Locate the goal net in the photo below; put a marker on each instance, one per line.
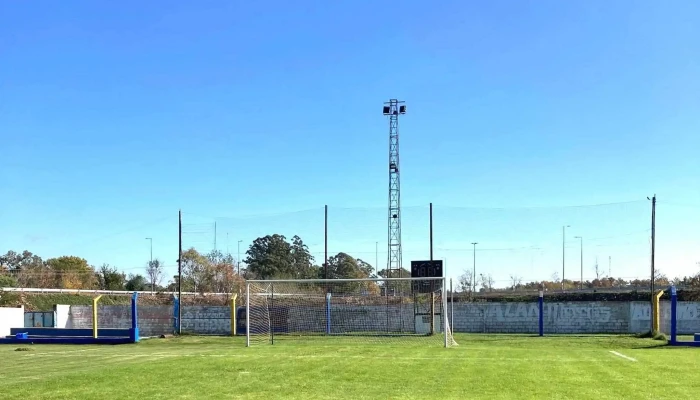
(361, 310)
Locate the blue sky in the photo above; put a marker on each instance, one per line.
(115, 115)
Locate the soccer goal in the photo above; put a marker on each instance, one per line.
(363, 310)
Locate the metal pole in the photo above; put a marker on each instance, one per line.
(474, 271)
(653, 245)
(179, 273)
(444, 308)
(431, 231)
(581, 239)
(376, 256)
(325, 241)
(563, 254)
(239, 257)
(452, 307)
(581, 262)
(247, 314)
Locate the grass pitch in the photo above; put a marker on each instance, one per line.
(481, 367)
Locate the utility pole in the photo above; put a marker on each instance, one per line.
(179, 271)
(653, 246)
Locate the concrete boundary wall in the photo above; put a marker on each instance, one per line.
(10, 318)
(559, 318)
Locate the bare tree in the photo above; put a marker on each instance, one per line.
(154, 271)
(516, 281)
(555, 277)
(598, 272)
(487, 282)
(464, 282)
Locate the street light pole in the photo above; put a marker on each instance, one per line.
(376, 256)
(563, 253)
(151, 240)
(581, 239)
(474, 269)
(239, 257)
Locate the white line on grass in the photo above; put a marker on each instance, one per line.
(390, 357)
(624, 356)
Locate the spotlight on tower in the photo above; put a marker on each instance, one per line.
(386, 110)
(402, 109)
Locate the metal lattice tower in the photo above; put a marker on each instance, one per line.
(393, 108)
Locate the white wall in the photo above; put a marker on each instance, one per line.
(10, 318)
(62, 316)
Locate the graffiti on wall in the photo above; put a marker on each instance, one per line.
(553, 313)
(512, 312)
(206, 313)
(579, 313)
(686, 311)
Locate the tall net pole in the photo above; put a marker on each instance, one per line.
(393, 108)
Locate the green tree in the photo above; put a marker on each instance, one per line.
(72, 272)
(396, 287)
(272, 256)
(136, 283)
(14, 261)
(28, 269)
(218, 257)
(302, 261)
(195, 271)
(7, 281)
(110, 279)
(344, 266)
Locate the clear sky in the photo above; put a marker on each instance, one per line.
(114, 115)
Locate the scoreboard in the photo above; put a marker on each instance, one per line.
(426, 269)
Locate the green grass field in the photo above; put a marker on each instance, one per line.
(481, 367)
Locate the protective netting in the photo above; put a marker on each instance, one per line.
(359, 310)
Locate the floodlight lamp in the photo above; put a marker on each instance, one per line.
(386, 110)
(402, 109)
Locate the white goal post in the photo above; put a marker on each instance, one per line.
(363, 310)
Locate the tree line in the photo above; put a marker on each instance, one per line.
(484, 283)
(268, 257)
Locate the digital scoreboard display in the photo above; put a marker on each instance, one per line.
(426, 269)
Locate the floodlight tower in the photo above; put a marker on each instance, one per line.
(393, 108)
